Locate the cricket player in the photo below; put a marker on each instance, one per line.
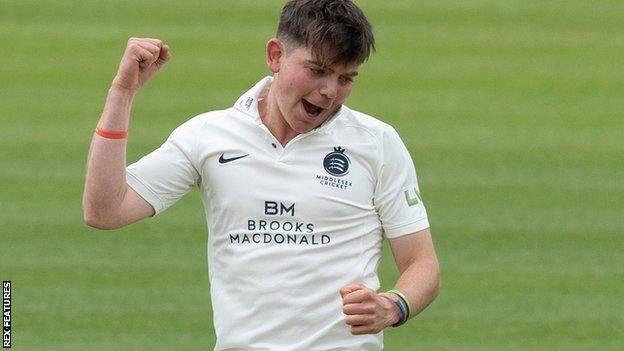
(299, 191)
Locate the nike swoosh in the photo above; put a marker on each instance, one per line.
(226, 160)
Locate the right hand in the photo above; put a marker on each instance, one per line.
(141, 60)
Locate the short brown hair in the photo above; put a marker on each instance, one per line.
(336, 31)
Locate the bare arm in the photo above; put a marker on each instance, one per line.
(108, 202)
(369, 312)
(417, 262)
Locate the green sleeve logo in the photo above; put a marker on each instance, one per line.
(413, 197)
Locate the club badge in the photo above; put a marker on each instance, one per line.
(337, 163)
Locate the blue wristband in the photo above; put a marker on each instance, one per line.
(403, 310)
(404, 299)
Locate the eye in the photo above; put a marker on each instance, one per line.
(317, 71)
(346, 79)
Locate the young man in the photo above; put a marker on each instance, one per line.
(298, 191)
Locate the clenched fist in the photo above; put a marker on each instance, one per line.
(141, 60)
(368, 312)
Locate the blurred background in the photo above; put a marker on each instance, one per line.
(512, 111)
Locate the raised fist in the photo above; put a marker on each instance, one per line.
(141, 60)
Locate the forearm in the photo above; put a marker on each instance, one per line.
(105, 182)
(369, 312)
(420, 283)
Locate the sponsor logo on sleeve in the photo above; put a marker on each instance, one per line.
(412, 197)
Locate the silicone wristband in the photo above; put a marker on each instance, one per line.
(405, 300)
(403, 313)
(110, 134)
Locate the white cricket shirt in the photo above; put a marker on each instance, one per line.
(288, 226)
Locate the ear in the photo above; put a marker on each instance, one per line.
(276, 51)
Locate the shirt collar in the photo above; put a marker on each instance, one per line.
(248, 104)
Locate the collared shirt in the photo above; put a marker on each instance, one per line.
(288, 226)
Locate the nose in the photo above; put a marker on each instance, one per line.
(329, 89)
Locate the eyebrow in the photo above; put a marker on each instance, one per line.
(350, 74)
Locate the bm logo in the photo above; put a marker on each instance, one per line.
(273, 208)
(337, 163)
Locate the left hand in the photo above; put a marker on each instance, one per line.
(367, 311)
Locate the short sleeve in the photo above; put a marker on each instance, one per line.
(397, 195)
(166, 174)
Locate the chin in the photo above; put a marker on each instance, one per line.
(301, 129)
(302, 125)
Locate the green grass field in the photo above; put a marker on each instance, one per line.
(512, 110)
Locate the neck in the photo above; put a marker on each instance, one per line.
(272, 118)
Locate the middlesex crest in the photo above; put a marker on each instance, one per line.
(337, 163)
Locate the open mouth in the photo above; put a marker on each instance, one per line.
(311, 109)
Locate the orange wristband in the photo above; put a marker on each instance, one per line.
(110, 134)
